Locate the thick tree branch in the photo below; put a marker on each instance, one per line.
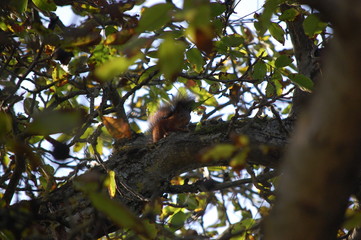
(144, 168)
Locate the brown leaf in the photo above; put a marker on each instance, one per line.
(117, 128)
(204, 39)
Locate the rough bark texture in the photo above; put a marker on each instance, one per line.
(321, 166)
(143, 170)
(307, 63)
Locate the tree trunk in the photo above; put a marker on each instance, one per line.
(322, 162)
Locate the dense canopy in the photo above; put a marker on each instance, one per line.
(272, 150)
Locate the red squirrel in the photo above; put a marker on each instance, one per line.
(172, 117)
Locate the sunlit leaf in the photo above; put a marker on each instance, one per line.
(119, 38)
(313, 25)
(219, 152)
(302, 81)
(353, 219)
(45, 5)
(178, 220)
(204, 96)
(114, 67)
(110, 183)
(171, 57)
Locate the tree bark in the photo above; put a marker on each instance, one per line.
(322, 163)
(143, 171)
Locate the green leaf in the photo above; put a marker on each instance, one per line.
(302, 81)
(59, 73)
(204, 96)
(274, 88)
(5, 124)
(283, 61)
(234, 40)
(154, 18)
(45, 5)
(112, 68)
(265, 19)
(31, 106)
(50, 122)
(171, 57)
(19, 5)
(353, 220)
(196, 60)
(217, 9)
(118, 213)
(178, 220)
(259, 70)
(277, 32)
(313, 25)
(289, 15)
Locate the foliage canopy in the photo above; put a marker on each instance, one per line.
(69, 94)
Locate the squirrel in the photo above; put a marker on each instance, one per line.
(172, 117)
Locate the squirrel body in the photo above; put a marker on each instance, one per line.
(172, 117)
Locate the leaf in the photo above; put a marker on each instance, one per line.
(217, 9)
(119, 38)
(269, 9)
(204, 96)
(117, 128)
(178, 219)
(218, 152)
(234, 40)
(302, 81)
(89, 39)
(289, 14)
(154, 18)
(277, 32)
(171, 57)
(110, 183)
(119, 214)
(353, 220)
(45, 5)
(19, 5)
(50, 122)
(5, 126)
(203, 38)
(283, 61)
(59, 73)
(112, 68)
(259, 70)
(313, 25)
(116, 211)
(196, 60)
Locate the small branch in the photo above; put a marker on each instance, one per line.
(211, 185)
